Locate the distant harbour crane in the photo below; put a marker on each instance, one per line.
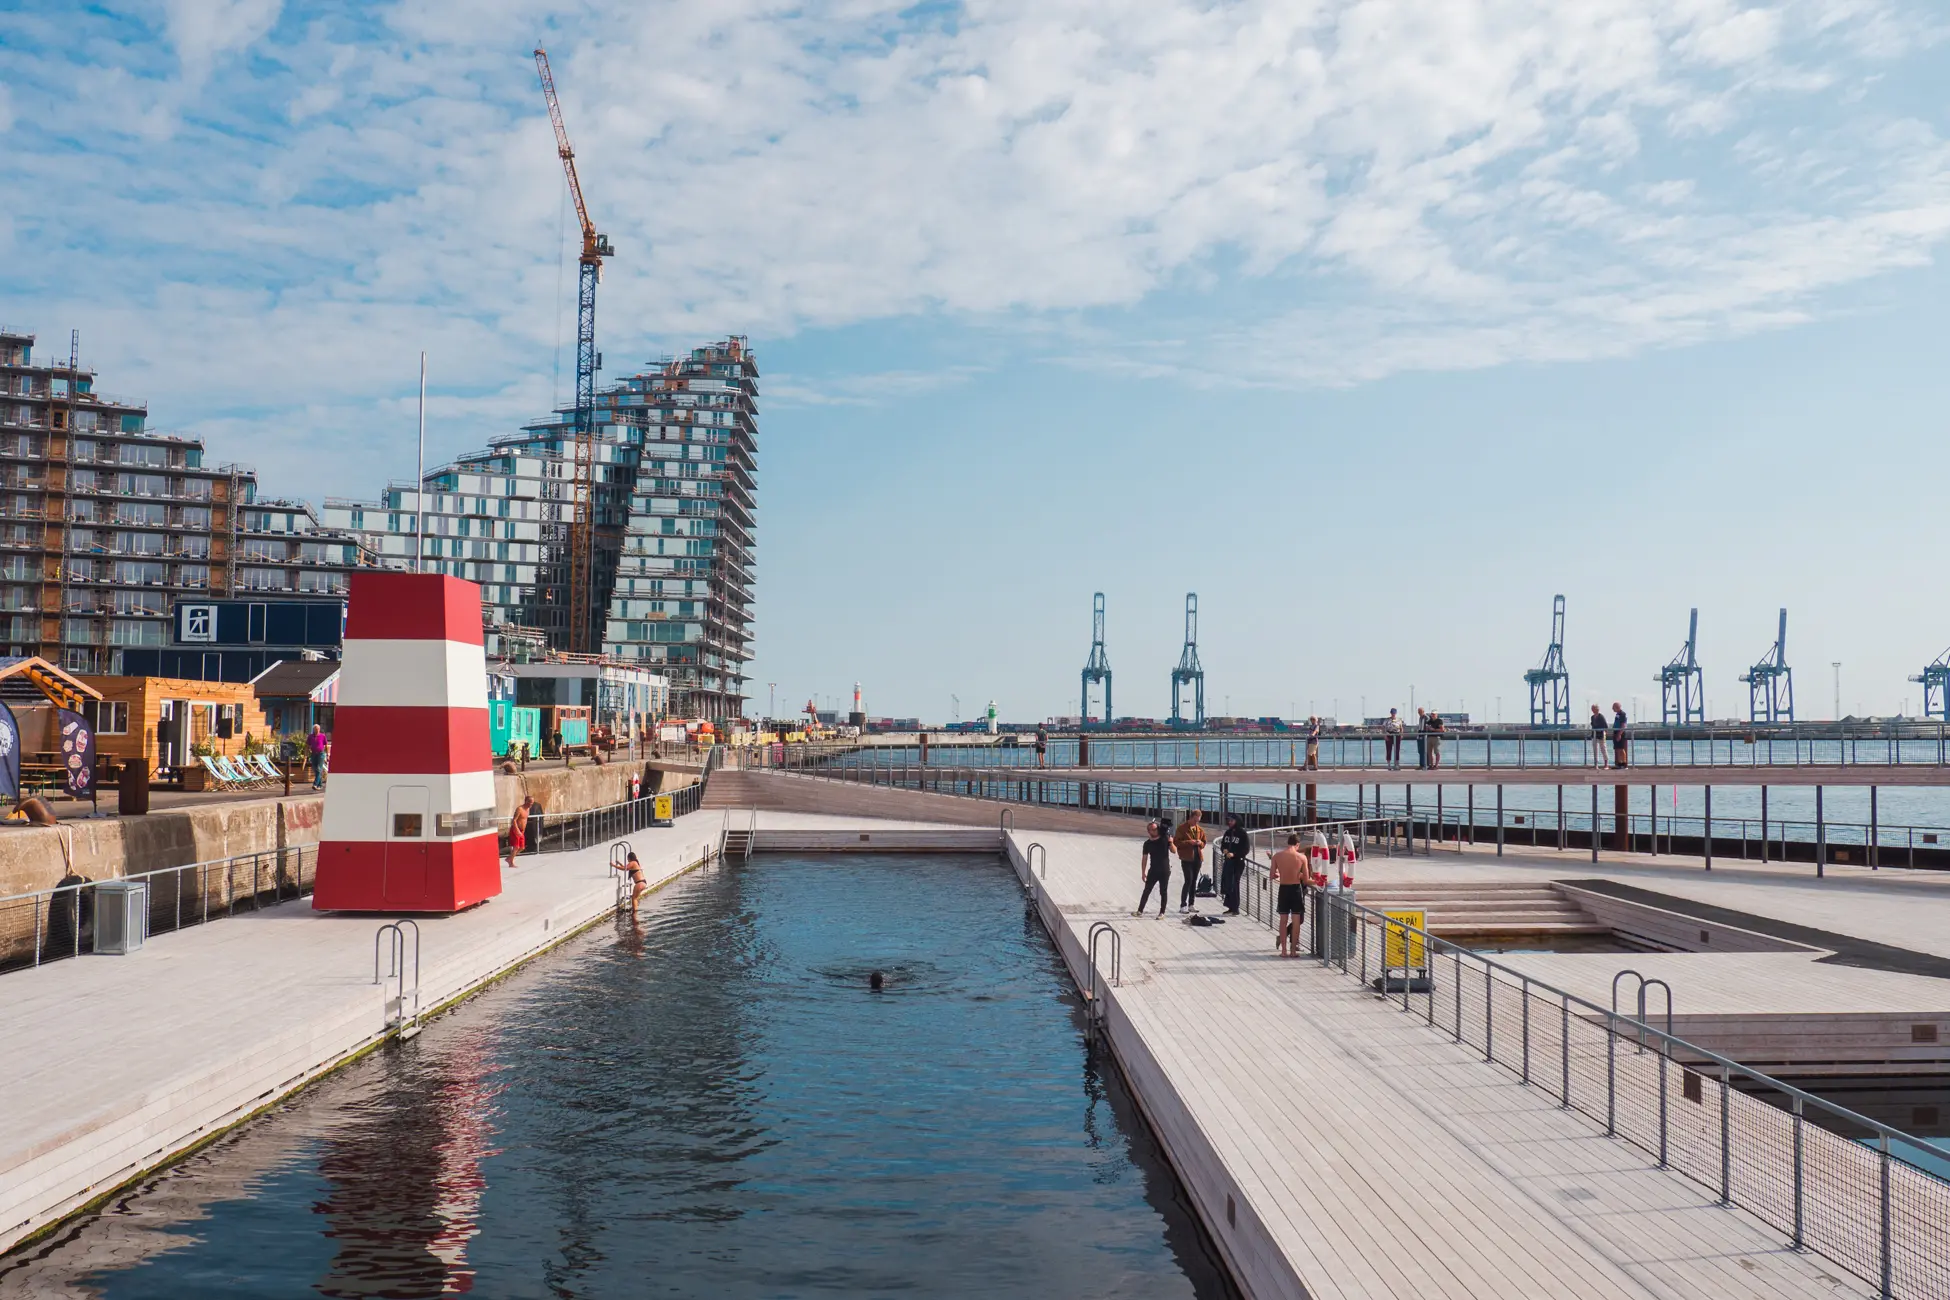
(1934, 677)
(1549, 681)
(1097, 667)
(1188, 672)
(581, 632)
(1682, 686)
(1770, 683)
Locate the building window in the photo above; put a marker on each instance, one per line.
(193, 575)
(141, 485)
(261, 579)
(113, 718)
(137, 631)
(137, 572)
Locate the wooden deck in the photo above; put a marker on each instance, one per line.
(1850, 775)
(1338, 1148)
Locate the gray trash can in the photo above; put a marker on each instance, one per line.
(121, 916)
(1332, 930)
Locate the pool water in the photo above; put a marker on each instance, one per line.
(708, 1102)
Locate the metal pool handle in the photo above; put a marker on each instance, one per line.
(408, 1026)
(619, 857)
(1007, 820)
(1094, 995)
(1031, 859)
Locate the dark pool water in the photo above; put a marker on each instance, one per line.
(708, 1103)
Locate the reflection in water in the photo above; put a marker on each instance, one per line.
(707, 1102)
(405, 1171)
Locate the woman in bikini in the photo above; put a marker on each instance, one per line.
(634, 870)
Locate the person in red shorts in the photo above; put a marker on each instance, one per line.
(518, 830)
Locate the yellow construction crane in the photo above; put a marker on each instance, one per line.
(582, 636)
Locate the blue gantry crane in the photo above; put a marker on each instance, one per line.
(1682, 690)
(1188, 672)
(1097, 667)
(1770, 683)
(1550, 681)
(1934, 677)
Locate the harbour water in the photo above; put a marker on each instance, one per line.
(709, 1102)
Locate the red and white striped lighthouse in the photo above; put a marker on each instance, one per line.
(409, 807)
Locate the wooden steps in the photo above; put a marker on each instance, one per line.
(1487, 907)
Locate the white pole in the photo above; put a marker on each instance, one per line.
(420, 479)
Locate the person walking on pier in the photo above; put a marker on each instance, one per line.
(1598, 729)
(1154, 867)
(1621, 754)
(1190, 843)
(1313, 744)
(316, 747)
(1234, 845)
(1391, 740)
(1289, 875)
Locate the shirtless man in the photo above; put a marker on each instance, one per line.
(634, 870)
(518, 830)
(1289, 873)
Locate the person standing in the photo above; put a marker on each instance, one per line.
(1598, 730)
(1289, 874)
(1042, 746)
(1154, 867)
(1234, 845)
(1391, 740)
(1313, 744)
(316, 748)
(1422, 739)
(1436, 727)
(1621, 754)
(518, 830)
(1190, 843)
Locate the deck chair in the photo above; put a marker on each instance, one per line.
(268, 768)
(229, 769)
(224, 780)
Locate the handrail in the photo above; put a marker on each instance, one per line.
(1034, 855)
(408, 1025)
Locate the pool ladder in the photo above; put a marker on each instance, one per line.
(393, 938)
(1093, 993)
(738, 841)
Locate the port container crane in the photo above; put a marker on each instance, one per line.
(1933, 678)
(1770, 683)
(1550, 681)
(1682, 690)
(581, 633)
(1097, 667)
(1188, 672)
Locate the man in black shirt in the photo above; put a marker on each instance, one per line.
(1234, 845)
(1621, 753)
(1154, 865)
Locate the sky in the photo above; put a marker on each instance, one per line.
(1375, 324)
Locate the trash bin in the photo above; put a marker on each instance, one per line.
(1333, 928)
(132, 788)
(121, 916)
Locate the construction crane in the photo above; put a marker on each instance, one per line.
(1550, 681)
(1770, 683)
(1188, 671)
(1935, 675)
(1097, 667)
(1682, 690)
(581, 636)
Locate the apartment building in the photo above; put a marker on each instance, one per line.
(104, 523)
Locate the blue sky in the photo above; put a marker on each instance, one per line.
(1376, 324)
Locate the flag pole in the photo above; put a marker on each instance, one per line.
(420, 482)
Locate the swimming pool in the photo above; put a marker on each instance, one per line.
(709, 1102)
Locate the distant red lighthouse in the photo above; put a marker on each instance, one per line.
(409, 806)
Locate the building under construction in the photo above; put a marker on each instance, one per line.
(673, 506)
(104, 524)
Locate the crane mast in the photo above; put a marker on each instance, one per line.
(581, 636)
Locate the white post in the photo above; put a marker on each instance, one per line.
(420, 480)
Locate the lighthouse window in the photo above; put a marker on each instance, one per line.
(406, 826)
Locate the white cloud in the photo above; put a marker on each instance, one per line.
(1382, 185)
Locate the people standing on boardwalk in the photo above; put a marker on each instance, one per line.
(316, 749)
(1289, 875)
(518, 829)
(1598, 729)
(1313, 743)
(1234, 845)
(1154, 867)
(1391, 740)
(634, 870)
(1621, 754)
(1190, 843)
(1436, 728)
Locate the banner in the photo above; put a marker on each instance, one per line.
(77, 754)
(9, 753)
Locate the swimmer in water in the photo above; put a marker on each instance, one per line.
(635, 871)
(876, 981)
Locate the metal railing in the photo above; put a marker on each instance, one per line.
(1903, 743)
(1853, 1190)
(51, 924)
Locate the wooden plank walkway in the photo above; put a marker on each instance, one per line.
(1831, 775)
(1338, 1148)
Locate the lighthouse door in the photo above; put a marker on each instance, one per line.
(407, 829)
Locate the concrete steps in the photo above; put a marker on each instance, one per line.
(1499, 906)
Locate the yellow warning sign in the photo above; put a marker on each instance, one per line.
(1402, 948)
(660, 808)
